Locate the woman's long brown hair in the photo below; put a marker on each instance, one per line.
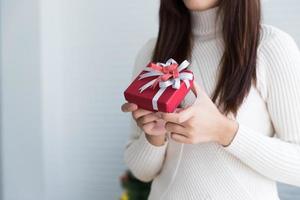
(241, 35)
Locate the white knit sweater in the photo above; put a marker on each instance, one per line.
(266, 147)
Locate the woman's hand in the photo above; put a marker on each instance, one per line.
(150, 122)
(200, 122)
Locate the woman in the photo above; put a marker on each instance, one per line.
(241, 133)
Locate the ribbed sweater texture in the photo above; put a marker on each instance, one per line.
(266, 147)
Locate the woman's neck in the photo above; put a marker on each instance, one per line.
(206, 22)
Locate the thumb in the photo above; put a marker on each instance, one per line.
(197, 89)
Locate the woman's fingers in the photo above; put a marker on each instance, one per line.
(136, 112)
(174, 128)
(198, 90)
(179, 117)
(177, 132)
(180, 138)
(160, 124)
(140, 112)
(148, 127)
(129, 107)
(147, 118)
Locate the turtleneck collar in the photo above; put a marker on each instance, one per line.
(206, 23)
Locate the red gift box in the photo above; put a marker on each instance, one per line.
(161, 86)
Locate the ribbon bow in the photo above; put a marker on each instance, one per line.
(168, 74)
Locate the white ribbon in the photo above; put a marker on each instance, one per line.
(186, 77)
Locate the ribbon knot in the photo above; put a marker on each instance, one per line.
(168, 74)
(168, 71)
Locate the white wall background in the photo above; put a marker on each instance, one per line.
(64, 66)
(21, 127)
(91, 46)
(284, 15)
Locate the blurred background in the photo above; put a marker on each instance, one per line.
(64, 66)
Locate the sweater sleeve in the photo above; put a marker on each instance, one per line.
(143, 159)
(277, 158)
